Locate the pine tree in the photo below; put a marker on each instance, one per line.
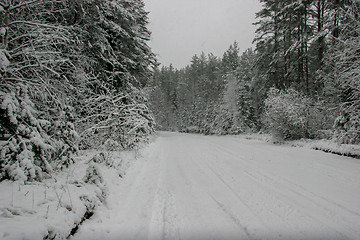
(120, 63)
(70, 67)
(36, 88)
(345, 63)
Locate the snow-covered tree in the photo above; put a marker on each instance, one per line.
(120, 61)
(68, 69)
(36, 81)
(344, 61)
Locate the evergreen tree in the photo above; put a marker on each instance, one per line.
(120, 62)
(37, 86)
(70, 67)
(343, 64)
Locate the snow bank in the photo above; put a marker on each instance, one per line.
(329, 146)
(54, 208)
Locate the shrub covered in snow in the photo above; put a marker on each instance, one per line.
(223, 122)
(35, 145)
(347, 124)
(103, 158)
(111, 145)
(93, 174)
(117, 121)
(291, 115)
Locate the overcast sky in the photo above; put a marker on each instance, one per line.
(183, 28)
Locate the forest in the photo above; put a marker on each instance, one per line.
(89, 126)
(80, 74)
(300, 81)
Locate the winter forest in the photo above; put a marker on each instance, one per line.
(301, 81)
(80, 75)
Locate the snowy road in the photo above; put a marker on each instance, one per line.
(199, 187)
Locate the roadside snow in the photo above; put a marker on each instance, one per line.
(52, 209)
(329, 146)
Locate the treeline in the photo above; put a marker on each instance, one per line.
(72, 76)
(302, 80)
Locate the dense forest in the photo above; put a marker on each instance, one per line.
(72, 77)
(80, 74)
(301, 81)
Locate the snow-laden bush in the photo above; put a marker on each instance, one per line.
(291, 115)
(123, 118)
(111, 145)
(223, 123)
(93, 174)
(104, 158)
(347, 125)
(34, 146)
(24, 155)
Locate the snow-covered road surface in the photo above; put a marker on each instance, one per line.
(205, 187)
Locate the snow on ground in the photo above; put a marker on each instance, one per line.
(206, 187)
(51, 209)
(330, 146)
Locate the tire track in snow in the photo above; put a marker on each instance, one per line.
(163, 222)
(201, 182)
(237, 195)
(299, 206)
(234, 218)
(246, 213)
(251, 201)
(284, 183)
(290, 186)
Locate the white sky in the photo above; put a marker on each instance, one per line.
(183, 28)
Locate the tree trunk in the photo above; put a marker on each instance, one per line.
(320, 19)
(305, 47)
(6, 25)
